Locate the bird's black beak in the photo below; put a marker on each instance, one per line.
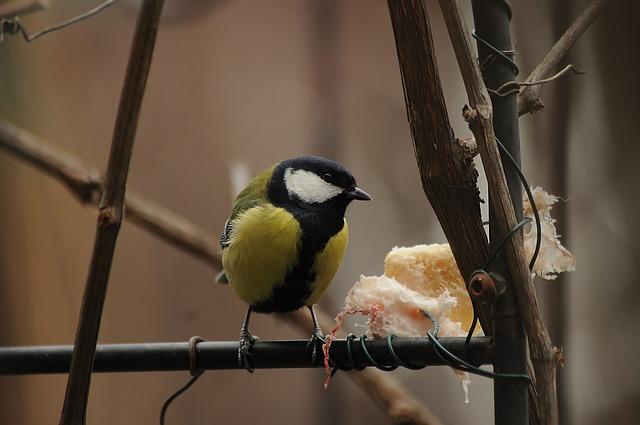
(357, 193)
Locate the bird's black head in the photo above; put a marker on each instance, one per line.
(316, 183)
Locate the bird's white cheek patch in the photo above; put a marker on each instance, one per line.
(308, 186)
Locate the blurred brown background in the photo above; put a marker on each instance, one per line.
(258, 82)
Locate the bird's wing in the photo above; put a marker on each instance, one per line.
(225, 236)
(242, 205)
(253, 195)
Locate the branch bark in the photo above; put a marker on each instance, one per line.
(446, 170)
(541, 350)
(85, 183)
(529, 97)
(110, 213)
(11, 9)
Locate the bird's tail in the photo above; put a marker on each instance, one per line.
(222, 278)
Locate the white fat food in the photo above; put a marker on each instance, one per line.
(553, 257)
(309, 187)
(392, 308)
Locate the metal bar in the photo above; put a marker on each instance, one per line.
(220, 355)
(492, 21)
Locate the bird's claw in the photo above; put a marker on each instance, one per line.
(245, 350)
(315, 343)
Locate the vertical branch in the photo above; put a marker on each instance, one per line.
(110, 213)
(447, 172)
(480, 116)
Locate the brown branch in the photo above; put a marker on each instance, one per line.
(110, 213)
(542, 353)
(174, 229)
(529, 98)
(85, 183)
(511, 87)
(14, 8)
(446, 169)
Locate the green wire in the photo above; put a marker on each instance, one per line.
(532, 202)
(457, 363)
(509, 235)
(368, 355)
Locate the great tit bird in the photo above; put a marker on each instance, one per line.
(286, 238)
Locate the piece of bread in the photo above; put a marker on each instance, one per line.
(430, 270)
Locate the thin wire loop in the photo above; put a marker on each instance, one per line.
(195, 371)
(457, 363)
(350, 357)
(472, 329)
(397, 358)
(506, 59)
(373, 361)
(532, 202)
(504, 240)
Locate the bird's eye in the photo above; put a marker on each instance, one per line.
(326, 177)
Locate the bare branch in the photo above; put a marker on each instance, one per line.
(85, 182)
(511, 87)
(529, 98)
(174, 229)
(64, 24)
(110, 213)
(542, 353)
(82, 180)
(11, 9)
(446, 169)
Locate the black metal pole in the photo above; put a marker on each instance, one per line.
(492, 19)
(174, 356)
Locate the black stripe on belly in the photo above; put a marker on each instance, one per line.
(316, 232)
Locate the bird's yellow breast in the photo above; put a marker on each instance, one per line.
(327, 262)
(263, 248)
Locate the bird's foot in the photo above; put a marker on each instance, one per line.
(245, 350)
(315, 344)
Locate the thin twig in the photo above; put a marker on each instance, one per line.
(542, 353)
(85, 183)
(11, 9)
(514, 86)
(529, 98)
(110, 213)
(31, 37)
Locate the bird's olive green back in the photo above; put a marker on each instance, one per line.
(254, 194)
